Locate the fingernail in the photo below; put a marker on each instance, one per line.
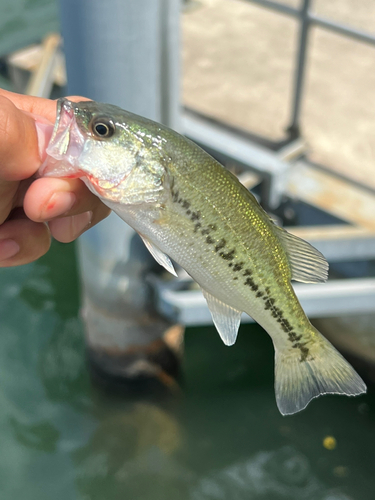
(8, 249)
(59, 204)
(69, 228)
(80, 222)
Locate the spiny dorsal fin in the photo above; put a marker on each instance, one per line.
(225, 318)
(307, 263)
(159, 256)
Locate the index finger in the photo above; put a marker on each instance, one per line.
(19, 153)
(21, 145)
(36, 105)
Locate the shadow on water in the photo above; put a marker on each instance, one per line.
(220, 438)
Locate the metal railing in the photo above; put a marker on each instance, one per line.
(307, 20)
(345, 296)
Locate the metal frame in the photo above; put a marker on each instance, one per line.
(334, 298)
(355, 205)
(307, 20)
(227, 145)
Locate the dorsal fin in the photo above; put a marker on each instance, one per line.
(225, 318)
(307, 263)
(160, 257)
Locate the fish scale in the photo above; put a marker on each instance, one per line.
(242, 295)
(189, 208)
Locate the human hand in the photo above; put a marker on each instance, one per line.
(31, 210)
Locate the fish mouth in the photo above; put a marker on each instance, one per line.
(65, 146)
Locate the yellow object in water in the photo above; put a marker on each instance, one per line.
(329, 443)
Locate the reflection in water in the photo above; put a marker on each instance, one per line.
(62, 365)
(132, 453)
(41, 436)
(281, 474)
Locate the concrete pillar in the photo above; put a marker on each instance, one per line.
(125, 52)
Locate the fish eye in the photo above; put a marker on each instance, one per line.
(103, 127)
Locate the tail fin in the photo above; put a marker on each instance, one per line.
(299, 379)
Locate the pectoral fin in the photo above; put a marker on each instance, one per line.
(225, 318)
(160, 257)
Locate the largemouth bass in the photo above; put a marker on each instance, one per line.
(189, 208)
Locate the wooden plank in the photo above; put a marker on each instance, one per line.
(333, 233)
(30, 58)
(333, 195)
(249, 179)
(41, 81)
(354, 334)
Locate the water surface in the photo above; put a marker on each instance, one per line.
(221, 438)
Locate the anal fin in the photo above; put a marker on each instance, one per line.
(226, 318)
(160, 257)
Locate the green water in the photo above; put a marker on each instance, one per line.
(24, 22)
(221, 438)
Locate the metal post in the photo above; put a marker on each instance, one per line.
(294, 127)
(125, 53)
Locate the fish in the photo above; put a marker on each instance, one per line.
(190, 209)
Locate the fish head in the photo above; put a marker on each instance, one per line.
(107, 147)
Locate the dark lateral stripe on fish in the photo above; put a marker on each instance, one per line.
(221, 244)
(269, 302)
(287, 328)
